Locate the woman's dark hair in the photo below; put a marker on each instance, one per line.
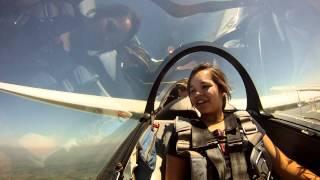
(217, 77)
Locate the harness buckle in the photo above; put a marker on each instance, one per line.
(235, 146)
(251, 130)
(259, 163)
(212, 143)
(208, 145)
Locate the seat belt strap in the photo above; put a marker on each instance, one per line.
(202, 139)
(249, 127)
(217, 158)
(234, 138)
(183, 131)
(235, 145)
(238, 166)
(246, 123)
(198, 164)
(261, 161)
(259, 158)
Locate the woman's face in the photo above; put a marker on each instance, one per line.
(204, 93)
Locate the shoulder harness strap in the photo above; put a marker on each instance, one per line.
(198, 162)
(194, 141)
(235, 145)
(204, 141)
(259, 158)
(248, 127)
(183, 132)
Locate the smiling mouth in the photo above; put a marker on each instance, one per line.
(201, 102)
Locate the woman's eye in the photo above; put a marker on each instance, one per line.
(192, 91)
(205, 86)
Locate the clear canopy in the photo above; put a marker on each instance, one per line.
(115, 49)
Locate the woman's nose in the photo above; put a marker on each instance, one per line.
(197, 93)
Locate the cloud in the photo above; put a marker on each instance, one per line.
(89, 140)
(69, 144)
(38, 144)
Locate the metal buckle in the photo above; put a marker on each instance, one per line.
(235, 146)
(255, 158)
(250, 131)
(211, 144)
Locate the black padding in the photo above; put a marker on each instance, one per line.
(179, 107)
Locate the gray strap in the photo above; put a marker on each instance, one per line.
(183, 131)
(216, 157)
(202, 138)
(255, 138)
(261, 161)
(238, 160)
(246, 123)
(238, 166)
(249, 127)
(198, 166)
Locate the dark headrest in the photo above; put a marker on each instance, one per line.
(179, 107)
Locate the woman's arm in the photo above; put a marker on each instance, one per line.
(285, 167)
(176, 168)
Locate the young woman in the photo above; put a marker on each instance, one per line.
(208, 92)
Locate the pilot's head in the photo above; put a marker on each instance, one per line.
(181, 87)
(109, 27)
